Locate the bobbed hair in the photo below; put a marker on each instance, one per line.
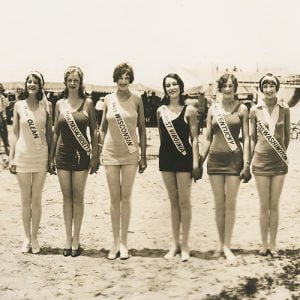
(81, 90)
(224, 78)
(39, 77)
(166, 99)
(121, 69)
(269, 78)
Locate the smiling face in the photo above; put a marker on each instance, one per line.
(73, 82)
(123, 82)
(172, 87)
(32, 85)
(227, 89)
(269, 89)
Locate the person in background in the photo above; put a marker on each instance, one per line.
(122, 112)
(3, 120)
(28, 157)
(72, 155)
(270, 137)
(178, 161)
(228, 162)
(99, 111)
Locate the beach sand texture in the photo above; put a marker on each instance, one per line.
(147, 275)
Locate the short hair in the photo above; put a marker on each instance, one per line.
(166, 99)
(70, 70)
(121, 69)
(224, 78)
(269, 78)
(40, 79)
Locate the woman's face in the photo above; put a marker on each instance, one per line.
(228, 89)
(172, 87)
(269, 90)
(32, 85)
(73, 82)
(123, 82)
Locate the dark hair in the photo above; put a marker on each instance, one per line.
(81, 90)
(269, 78)
(121, 69)
(224, 78)
(39, 95)
(2, 90)
(166, 98)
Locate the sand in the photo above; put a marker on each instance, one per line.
(147, 275)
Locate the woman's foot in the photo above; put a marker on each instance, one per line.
(35, 247)
(114, 252)
(263, 251)
(230, 257)
(174, 250)
(274, 253)
(185, 254)
(123, 252)
(25, 246)
(218, 252)
(67, 252)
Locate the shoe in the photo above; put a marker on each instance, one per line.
(274, 253)
(185, 256)
(112, 256)
(75, 252)
(35, 247)
(263, 252)
(67, 252)
(124, 254)
(25, 246)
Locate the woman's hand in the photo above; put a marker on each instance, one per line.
(12, 168)
(245, 174)
(142, 165)
(52, 168)
(94, 165)
(197, 173)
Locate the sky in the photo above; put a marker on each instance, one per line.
(189, 37)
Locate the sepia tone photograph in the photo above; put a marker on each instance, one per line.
(148, 149)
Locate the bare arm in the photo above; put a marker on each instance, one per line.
(142, 135)
(103, 128)
(93, 134)
(49, 128)
(287, 128)
(246, 138)
(253, 132)
(208, 137)
(14, 139)
(295, 98)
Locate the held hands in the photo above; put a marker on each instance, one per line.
(198, 172)
(245, 174)
(52, 168)
(12, 168)
(142, 165)
(94, 165)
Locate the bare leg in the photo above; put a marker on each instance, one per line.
(114, 186)
(218, 188)
(275, 190)
(38, 182)
(128, 173)
(24, 180)
(170, 181)
(232, 184)
(184, 182)
(78, 187)
(263, 184)
(65, 181)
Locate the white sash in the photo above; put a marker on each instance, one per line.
(172, 132)
(123, 128)
(271, 118)
(30, 120)
(272, 141)
(224, 128)
(76, 131)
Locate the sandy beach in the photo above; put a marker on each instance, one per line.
(147, 275)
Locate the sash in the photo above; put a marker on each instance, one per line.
(30, 120)
(272, 141)
(123, 128)
(172, 132)
(224, 128)
(76, 131)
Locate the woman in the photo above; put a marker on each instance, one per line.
(122, 112)
(178, 161)
(270, 137)
(228, 162)
(31, 136)
(3, 120)
(71, 149)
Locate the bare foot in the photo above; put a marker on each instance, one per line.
(35, 247)
(172, 252)
(230, 257)
(114, 252)
(124, 251)
(25, 246)
(185, 254)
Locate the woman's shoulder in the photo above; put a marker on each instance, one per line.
(191, 109)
